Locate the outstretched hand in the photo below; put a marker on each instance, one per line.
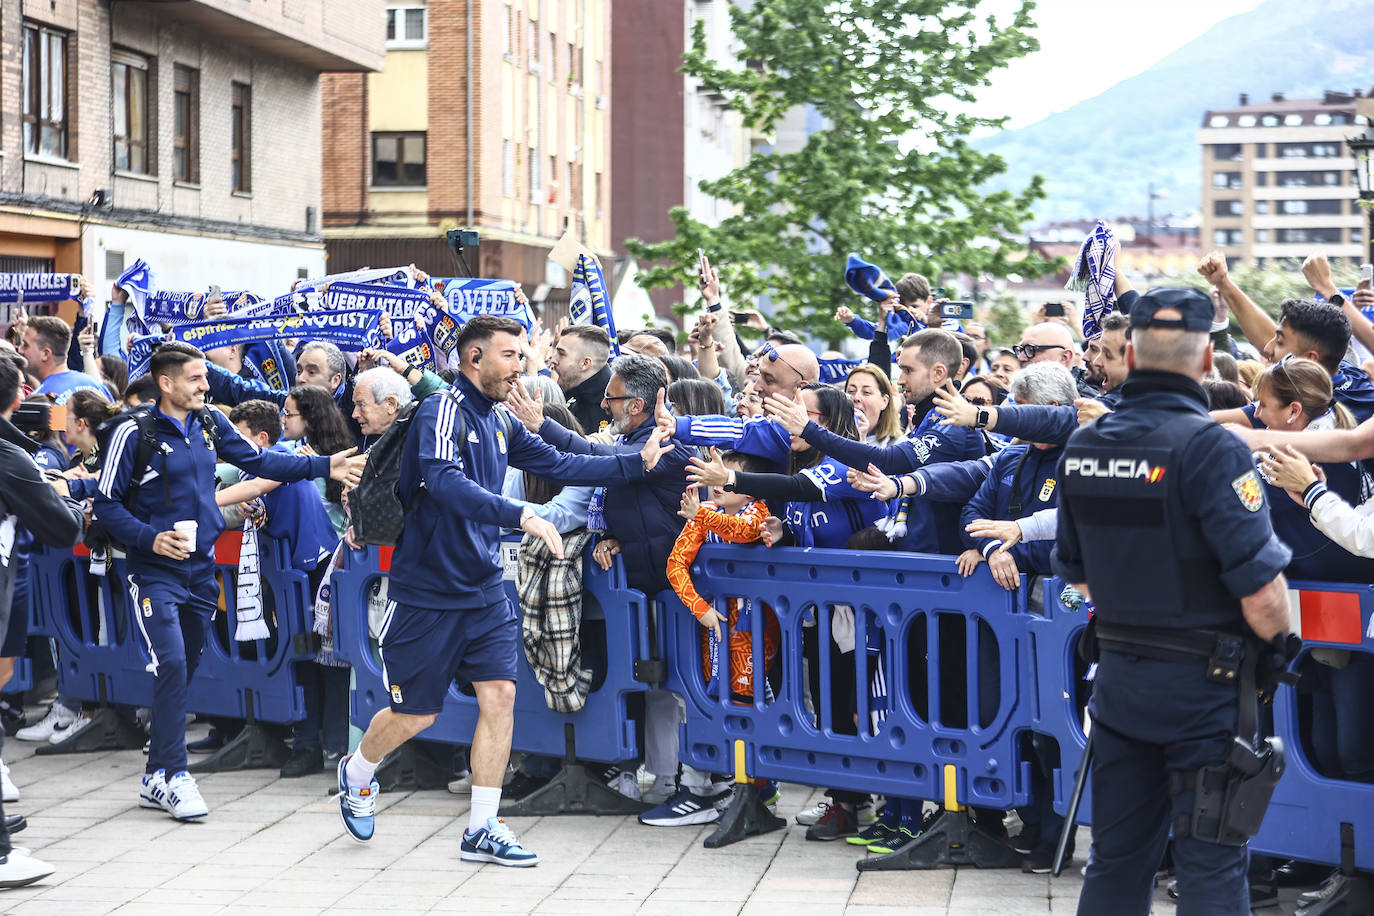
(873, 481)
(528, 410)
(543, 529)
(954, 408)
(702, 472)
(1006, 532)
(790, 413)
(347, 467)
(658, 445)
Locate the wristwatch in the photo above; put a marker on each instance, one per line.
(716, 306)
(982, 419)
(1336, 299)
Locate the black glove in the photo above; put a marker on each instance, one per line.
(1271, 668)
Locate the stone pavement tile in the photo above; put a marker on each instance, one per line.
(76, 892)
(275, 909)
(556, 906)
(761, 905)
(111, 874)
(1006, 905)
(724, 887)
(897, 909)
(687, 908)
(214, 876)
(138, 908)
(41, 907)
(919, 888)
(180, 897)
(481, 907)
(319, 897)
(611, 867)
(708, 891)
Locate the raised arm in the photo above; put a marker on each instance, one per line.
(1318, 274)
(1255, 324)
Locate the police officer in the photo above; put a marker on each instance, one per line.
(164, 513)
(1163, 524)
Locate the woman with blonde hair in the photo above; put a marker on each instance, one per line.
(871, 391)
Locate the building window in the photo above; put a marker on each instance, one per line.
(574, 66)
(596, 189)
(553, 180)
(1228, 208)
(398, 160)
(508, 33)
(535, 183)
(1226, 236)
(1246, 120)
(1261, 179)
(1307, 236)
(1292, 120)
(45, 91)
(1261, 236)
(1289, 207)
(1230, 181)
(533, 45)
(552, 62)
(185, 124)
(129, 78)
(241, 139)
(1261, 150)
(1261, 207)
(1270, 120)
(1356, 236)
(1226, 152)
(1218, 121)
(406, 27)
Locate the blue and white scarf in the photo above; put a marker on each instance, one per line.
(588, 302)
(398, 303)
(1094, 275)
(399, 277)
(868, 280)
(468, 298)
(350, 329)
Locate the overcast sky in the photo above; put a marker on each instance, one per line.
(1088, 45)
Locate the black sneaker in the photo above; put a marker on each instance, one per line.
(1263, 893)
(303, 762)
(1041, 859)
(837, 823)
(878, 833)
(1026, 841)
(209, 744)
(522, 784)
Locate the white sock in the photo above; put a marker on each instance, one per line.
(358, 771)
(485, 801)
(698, 782)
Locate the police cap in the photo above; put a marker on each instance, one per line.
(1193, 304)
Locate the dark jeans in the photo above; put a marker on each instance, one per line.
(326, 707)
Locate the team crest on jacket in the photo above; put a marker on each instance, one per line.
(1247, 487)
(147, 607)
(1047, 490)
(396, 694)
(501, 441)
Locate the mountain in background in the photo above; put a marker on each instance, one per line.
(1100, 156)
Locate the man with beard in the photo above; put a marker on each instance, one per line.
(448, 616)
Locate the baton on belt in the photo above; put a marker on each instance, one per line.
(1071, 814)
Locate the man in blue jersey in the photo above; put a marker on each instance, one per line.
(46, 342)
(448, 616)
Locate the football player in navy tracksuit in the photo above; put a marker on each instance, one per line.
(448, 616)
(171, 580)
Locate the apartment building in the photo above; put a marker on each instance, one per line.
(187, 134)
(492, 115)
(1278, 181)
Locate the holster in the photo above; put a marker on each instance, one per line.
(1230, 799)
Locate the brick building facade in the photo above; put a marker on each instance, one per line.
(506, 133)
(188, 134)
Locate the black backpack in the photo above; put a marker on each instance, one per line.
(97, 535)
(375, 509)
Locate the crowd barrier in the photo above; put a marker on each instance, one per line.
(602, 730)
(104, 659)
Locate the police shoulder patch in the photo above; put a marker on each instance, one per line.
(1247, 487)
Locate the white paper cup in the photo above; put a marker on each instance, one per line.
(187, 528)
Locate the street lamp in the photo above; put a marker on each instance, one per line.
(1362, 148)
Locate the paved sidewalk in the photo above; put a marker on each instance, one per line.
(276, 846)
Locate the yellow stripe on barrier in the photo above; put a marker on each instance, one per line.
(951, 793)
(740, 775)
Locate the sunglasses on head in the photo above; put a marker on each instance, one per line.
(774, 356)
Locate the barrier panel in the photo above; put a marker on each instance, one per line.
(104, 659)
(602, 730)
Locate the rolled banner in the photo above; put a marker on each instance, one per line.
(396, 302)
(1094, 275)
(348, 329)
(399, 277)
(141, 349)
(39, 287)
(171, 307)
(867, 279)
(469, 297)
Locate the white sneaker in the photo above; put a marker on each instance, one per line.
(9, 792)
(183, 801)
(59, 718)
(59, 736)
(809, 816)
(18, 869)
(153, 790)
(867, 813)
(626, 784)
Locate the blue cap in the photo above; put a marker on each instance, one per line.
(1192, 304)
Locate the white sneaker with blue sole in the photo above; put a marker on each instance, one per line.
(495, 843)
(357, 804)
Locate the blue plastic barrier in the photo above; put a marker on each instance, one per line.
(233, 679)
(969, 753)
(602, 729)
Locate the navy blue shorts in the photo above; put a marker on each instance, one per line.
(423, 651)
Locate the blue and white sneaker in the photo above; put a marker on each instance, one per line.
(495, 843)
(153, 790)
(685, 809)
(357, 804)
(183, 801)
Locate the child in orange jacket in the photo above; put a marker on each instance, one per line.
(734, 518)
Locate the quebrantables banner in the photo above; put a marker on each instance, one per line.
(348, 329)
(469, 297)
(39, 287)
(399, 277)
(396, 302)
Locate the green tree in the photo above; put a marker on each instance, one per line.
(890, 176)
